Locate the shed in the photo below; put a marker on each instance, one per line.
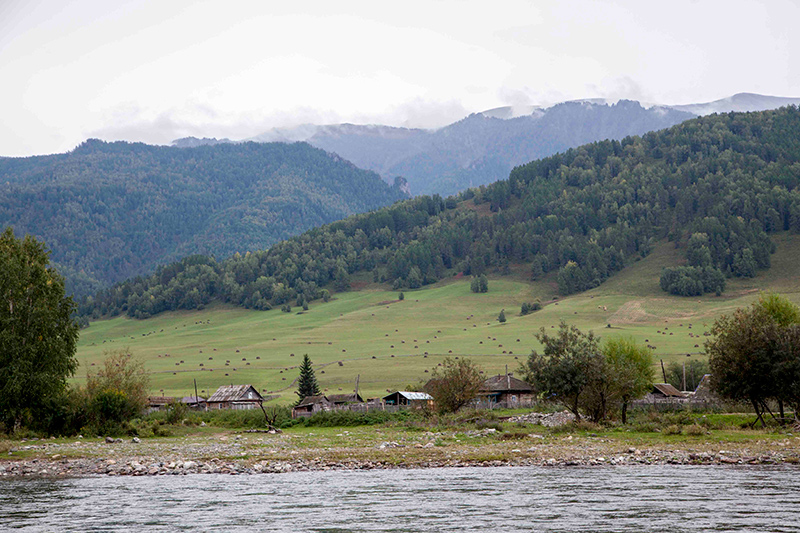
(312, 404)
(158, 403)
(666, 390)
(235, 397)
(195, 402)
(411, 399)
(506, 389)
(344, 399)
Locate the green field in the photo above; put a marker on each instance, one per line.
(391, 344)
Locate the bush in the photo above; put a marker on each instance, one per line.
(673, 429)
(695, 430)
(176, 412)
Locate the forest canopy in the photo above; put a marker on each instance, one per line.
(716, 186)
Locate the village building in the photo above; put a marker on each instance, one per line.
(314, 404)
(158, 403)
(345, 399)
(310, 405)
(235, 397)
(410, 399)
(505, 390)
(195, 402)
(663, 393)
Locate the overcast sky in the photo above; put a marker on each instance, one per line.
(153, 71)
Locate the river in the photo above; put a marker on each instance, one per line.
(631, 498)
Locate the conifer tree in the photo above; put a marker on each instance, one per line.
(502, 317)
(307, 382)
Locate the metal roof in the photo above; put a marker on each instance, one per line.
(233, 393)
(668, 389)
(412, 395)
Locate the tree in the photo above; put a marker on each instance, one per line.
(307, 382)
(401, 297)
(454, 384)
(502, 316)
(630, 371)
(753, 357)
(38, 335)
(570, 361)
(117, 392)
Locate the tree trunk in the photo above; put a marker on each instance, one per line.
(780, 408)
(624, 411)
(758, 415)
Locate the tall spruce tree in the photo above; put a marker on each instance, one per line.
(307, 383)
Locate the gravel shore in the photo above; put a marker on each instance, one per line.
(237, 453)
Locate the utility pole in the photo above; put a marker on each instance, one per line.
(684, 375)
(357, 378)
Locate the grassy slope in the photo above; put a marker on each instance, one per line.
(364, 329)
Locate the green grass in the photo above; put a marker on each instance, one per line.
(370, 335)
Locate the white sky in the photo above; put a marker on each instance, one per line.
(153, 71)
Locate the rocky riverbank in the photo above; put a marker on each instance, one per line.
(233, 453)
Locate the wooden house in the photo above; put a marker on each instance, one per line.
(158, 403)
(235, 397)
(409, 399)
(312, 404)
(345, 399)
(195, 402)
(506, 390)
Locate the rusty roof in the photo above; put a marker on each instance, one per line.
(234, 393)
(668, 389)
(505, 382)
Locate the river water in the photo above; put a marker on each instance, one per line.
(630, 498)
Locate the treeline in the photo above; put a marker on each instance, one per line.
(715, 186)
(115, 210)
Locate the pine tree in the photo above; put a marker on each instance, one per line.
(502, 317)
(307, 382)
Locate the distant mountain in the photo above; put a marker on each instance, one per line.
(742, 102)
(484, 147)
(109, 211)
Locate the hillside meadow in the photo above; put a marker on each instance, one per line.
(390, 344)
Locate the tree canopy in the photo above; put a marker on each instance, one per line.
(454, 384)
(754, 355)
(38, 335)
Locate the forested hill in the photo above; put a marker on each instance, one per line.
(717, 186)
(110, 211)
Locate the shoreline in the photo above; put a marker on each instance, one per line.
(237, 453)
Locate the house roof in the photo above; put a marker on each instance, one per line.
(667, 389)
(159, 400)
(411, 395)
(345, 398)
(192, 399)
(313, 400)
(233, 393)
(503, 383)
